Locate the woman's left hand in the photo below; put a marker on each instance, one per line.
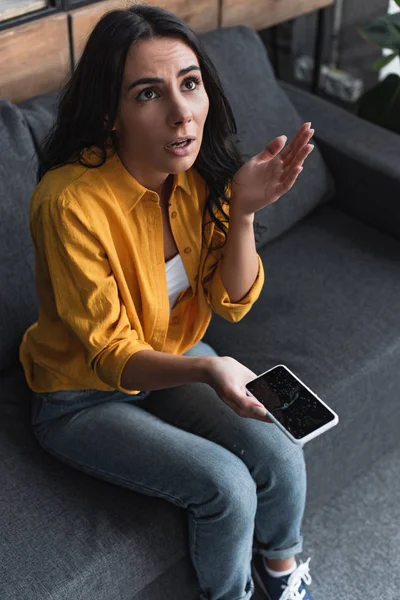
(271, 173)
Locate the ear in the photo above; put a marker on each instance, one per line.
(106, 120)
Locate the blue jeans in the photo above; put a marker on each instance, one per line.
(242, 481)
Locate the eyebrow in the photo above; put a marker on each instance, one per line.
(159, 79)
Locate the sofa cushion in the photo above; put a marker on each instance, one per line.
(262, 112)
(18, 170)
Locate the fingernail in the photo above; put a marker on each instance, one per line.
(259, 410)
(309, 124)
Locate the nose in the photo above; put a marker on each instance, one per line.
(180, 113)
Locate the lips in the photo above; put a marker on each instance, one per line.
(179, 140)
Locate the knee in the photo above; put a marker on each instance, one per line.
(236, 490)
(284, 466)
(290, 475)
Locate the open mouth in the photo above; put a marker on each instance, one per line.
(182, 144)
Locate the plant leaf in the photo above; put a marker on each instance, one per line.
(382, 32)
(397, 2)
(382, 61)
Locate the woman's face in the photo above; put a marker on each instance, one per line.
(151, 115)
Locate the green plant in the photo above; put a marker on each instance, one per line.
(381, 104)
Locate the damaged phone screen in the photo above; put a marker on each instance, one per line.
(298, 410)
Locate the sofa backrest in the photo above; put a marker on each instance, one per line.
(18, 177)
(263, 112)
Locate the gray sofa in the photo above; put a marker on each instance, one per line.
(329, 310)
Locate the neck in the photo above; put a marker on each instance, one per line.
(159, 186)
(166, 190)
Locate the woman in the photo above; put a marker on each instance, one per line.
(142, 187)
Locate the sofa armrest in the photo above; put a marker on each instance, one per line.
(363, 158)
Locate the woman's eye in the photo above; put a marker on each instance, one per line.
(194, 80)
(144, 95)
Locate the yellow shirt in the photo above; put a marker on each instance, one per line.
(100, 275)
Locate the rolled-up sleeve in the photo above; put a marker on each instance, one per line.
(219, 298)
(85, 291)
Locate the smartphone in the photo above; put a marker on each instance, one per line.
(293, 407)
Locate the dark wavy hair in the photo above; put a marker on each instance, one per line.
(93, 92)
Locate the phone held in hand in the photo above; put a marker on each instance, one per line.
(295, 409)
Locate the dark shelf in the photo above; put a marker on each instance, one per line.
(69, 4)
(55, 7)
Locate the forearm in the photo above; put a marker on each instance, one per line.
(151, 370)
(239, 266)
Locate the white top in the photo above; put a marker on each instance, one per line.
(177, 279)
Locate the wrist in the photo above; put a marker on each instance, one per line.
(206, 364)
(237, 215)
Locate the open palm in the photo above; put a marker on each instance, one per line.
(267, 176)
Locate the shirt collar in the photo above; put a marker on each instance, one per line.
(130, 191)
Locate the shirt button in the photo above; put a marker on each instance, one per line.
(187, 250)
(173, 214)
(175, 320)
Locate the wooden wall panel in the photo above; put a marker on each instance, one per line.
(261, 14)
(34, 58)
(84, 19)
(200, 15)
